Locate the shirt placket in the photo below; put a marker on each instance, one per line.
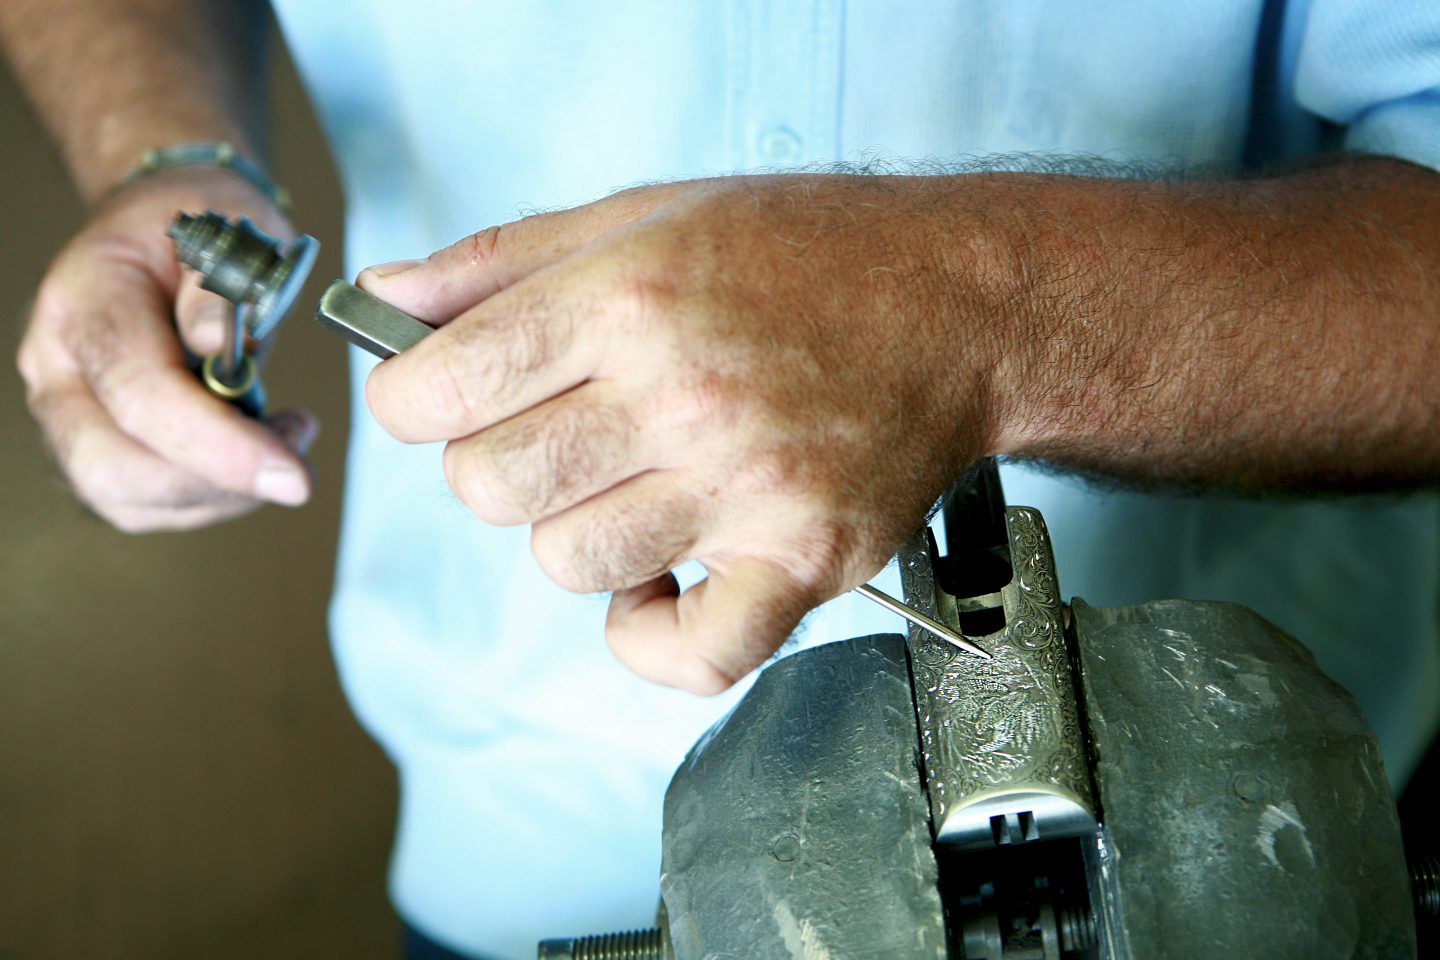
(786, 69)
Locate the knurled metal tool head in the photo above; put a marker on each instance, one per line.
(256, 273)
(245, 265)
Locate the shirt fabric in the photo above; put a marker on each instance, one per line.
(532, 765)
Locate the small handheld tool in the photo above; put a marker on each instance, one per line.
(259, 276)
(374, 325)
(367, 321)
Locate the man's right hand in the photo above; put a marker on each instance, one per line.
(142, 443)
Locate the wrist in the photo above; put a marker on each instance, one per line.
(988, 337)
(103, 155)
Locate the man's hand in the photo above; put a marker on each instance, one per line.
(746, 372)
(777, 375)
(142, 443)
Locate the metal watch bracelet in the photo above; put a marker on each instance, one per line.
(218, 154)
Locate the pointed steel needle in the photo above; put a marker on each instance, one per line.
(919, 619)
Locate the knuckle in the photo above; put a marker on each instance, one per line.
(645, 295)
(27, 363)
(482, 247)
(522, 458)
(91, 485)
(452, 387)
(48, 315)
(615, 546)
(377, 397)
(96, 478)
(89, 476)
(121, 389)
(581, 447)
(536, 467)
(89, 493)
(486, 362)
(825, 553)
(528, 345)
(93, 342)
(468, 482)
(706, 402)
(779, 469)
(552, 550)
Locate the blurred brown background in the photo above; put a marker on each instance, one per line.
(179, 774)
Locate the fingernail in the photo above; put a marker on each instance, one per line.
(383, 271)
(282, 483)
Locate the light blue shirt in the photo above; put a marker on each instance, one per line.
(532, 765)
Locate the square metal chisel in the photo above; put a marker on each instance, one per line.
(367, 321)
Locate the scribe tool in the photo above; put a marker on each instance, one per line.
(374, 325)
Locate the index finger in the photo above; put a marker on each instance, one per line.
(509, 353)
(455, 278)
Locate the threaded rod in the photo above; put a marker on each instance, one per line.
(629, 945)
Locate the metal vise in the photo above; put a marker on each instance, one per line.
(1170, 780)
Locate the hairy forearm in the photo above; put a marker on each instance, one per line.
(1261, 334)
(113, 78)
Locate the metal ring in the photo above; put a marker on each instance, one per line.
(220, 388)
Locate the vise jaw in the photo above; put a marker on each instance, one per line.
(1169, 780)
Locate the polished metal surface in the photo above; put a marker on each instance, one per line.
(367, 321)
(930, 624)
(1005, 756)
(258, 276)
(1246, 809)
(797, 827)
(245, 265)
(282, 286)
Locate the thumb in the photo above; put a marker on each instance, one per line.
(201, 316)
(707, 638)
(453, 279)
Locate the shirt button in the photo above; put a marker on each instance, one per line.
(779, 145)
